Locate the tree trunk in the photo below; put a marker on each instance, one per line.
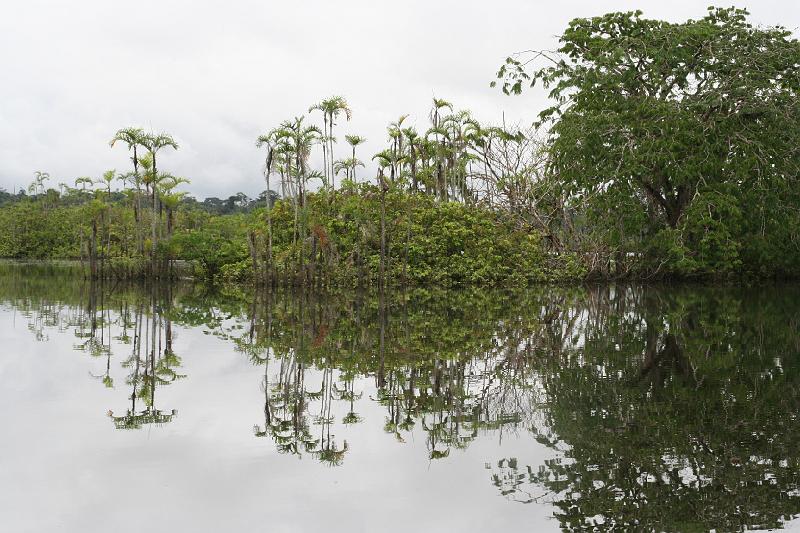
(382, 271)
(251, 243)
(93, 251)
(153, 223)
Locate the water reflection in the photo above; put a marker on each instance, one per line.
(664, 408)
(160, 364)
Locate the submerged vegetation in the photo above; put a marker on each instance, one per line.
(670, 150)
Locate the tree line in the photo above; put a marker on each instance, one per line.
(669, 150)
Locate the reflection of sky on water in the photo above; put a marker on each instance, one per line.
(66, 469)
(661, 393)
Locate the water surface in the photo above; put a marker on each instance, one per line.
(134, 408)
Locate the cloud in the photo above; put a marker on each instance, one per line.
(217, 74)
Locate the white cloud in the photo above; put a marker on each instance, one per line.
(217, 74)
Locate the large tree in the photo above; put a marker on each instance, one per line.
(656, 115)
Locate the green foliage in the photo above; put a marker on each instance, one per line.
(28, 231)
(676, 138)
(672, 150)
(218, 243)
(428, 242)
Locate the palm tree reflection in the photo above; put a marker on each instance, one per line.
(666, 408)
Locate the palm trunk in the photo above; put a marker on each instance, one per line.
(382, 271)
(107, 252)
(353, 177)
(253, 248)
(154, 244)
(138, 208)
(408, 239)
(325, 145)
(269, 234)
(330, 150)
(93, 250)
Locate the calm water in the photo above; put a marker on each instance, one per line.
(131, 408)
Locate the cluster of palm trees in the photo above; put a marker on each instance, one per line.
(455, 159)
(459, 159)
(145, 188)
(289, 148)
(147, 185)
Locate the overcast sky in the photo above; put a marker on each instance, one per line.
(216, 74)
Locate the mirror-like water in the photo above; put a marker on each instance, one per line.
(181, 408)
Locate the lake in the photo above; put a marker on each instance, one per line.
(181, 407)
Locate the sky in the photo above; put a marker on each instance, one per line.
(216, 74)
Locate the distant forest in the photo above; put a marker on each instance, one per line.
(237, 203)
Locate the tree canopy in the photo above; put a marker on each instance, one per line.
(688, 126)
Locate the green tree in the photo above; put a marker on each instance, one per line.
(134, 138)
(354, 141)
(154, 144)
(650, 116)
(37, 185)
(331, 108)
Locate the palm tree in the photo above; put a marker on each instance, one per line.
(389, 158)
(295, 141)
(435, 115)
(154, 144)
(331, 109)
(107, 179)
(412, 137)
(272, 141)
(385, 158)
(37, 185)
(396, 135)
(170, 200)
(96, 211)
(438, 105)
(353, 141)
(348, 166)
(134, 138)
(83, 181)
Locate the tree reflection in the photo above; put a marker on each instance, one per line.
(102, 317)
(670, 410)
(662, 408)
(160, 364)
(431, 367)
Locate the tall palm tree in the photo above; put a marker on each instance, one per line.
(396, 135)
(134, 138)
(171, 200)
(296, 140)
(83, 181)
(353, 141)
(385, 159)
(412, 137)
(348, 166)
(435, 115)
(37, 185)
(107, 179)
(154, 144)
(389, 158)
(272, 141)
(331, 108)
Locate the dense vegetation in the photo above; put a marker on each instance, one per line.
(670, 150)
